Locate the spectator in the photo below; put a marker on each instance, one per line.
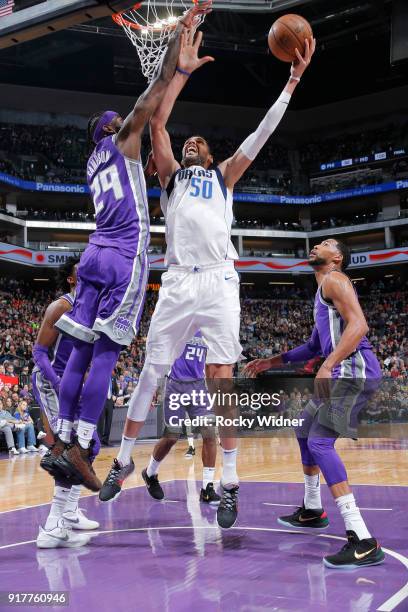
(7, 424)
(26, 429)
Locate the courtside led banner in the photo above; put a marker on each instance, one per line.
(52, 259)
(260, 198)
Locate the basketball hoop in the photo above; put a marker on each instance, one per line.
(148, 25)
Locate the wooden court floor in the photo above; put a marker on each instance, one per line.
(379, 461)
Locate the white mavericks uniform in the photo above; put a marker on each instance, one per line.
(200, 290)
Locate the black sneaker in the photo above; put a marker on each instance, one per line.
(112, 486)
(209, 496)
(356, 553)
(49, 463)
(301, 518)
(227, 511)
(190, 452)
(153, 485)
(48, 460)
(75, 464)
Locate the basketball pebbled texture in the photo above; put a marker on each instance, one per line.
(287, 33)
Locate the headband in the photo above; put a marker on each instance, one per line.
(104, 120)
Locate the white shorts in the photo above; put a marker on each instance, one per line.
(191, 299)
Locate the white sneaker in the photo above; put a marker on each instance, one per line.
(13, 451)
(22, 450)
(61, 537)
(43, 449)
(41, 435)
(78, 520)
(32, 449)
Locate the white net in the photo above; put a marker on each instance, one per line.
(149, 25)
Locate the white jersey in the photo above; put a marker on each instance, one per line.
(197, 207)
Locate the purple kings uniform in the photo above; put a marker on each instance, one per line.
(330, 326)
(44, 393)
(113, 271)
(186, 376)
(355, 379)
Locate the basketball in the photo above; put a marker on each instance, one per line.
(288, 33)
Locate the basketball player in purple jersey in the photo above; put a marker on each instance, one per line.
(113, 271)
(201, 287)
(339, 336)
(51, 353)
(186, 376)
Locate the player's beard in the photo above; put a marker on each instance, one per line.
(316, 262)
(186, 162)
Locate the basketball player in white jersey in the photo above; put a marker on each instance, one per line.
(200, 290)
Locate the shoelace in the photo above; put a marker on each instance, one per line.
(114, 472)
(228, 499)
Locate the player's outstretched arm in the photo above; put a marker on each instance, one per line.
(188, 62)
(47, 337)
(338, 288)
(129, 137)
(233, 168)
(310, 349)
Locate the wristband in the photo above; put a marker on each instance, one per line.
(295, 78)
(181, 71)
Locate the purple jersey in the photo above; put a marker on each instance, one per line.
(62, 348)
(191, 363)
(119, 194)
(330, 326)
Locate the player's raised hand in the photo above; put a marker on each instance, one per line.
(191, 16)
(299, 66)
(188, 58)
(150, 167)
(253, 368)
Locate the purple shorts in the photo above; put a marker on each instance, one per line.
(354, 383)
(182, 396)
(109, 296)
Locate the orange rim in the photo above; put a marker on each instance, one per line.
(122, 21)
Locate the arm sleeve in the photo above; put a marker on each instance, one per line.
(42, 361)
(306, 351)
(255, 141)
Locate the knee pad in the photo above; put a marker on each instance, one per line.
(142, 397)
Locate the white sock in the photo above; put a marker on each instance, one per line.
(208, 476)
(73, 499)
(85, 431)
(229, 476)
(312, 498)
(64, 430)
(125, 451)
(351, 516)
(190, 440)
(57, 507)
(153, 466)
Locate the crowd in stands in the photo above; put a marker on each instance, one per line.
(59, 154)
(377, 140)
(272, 322)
